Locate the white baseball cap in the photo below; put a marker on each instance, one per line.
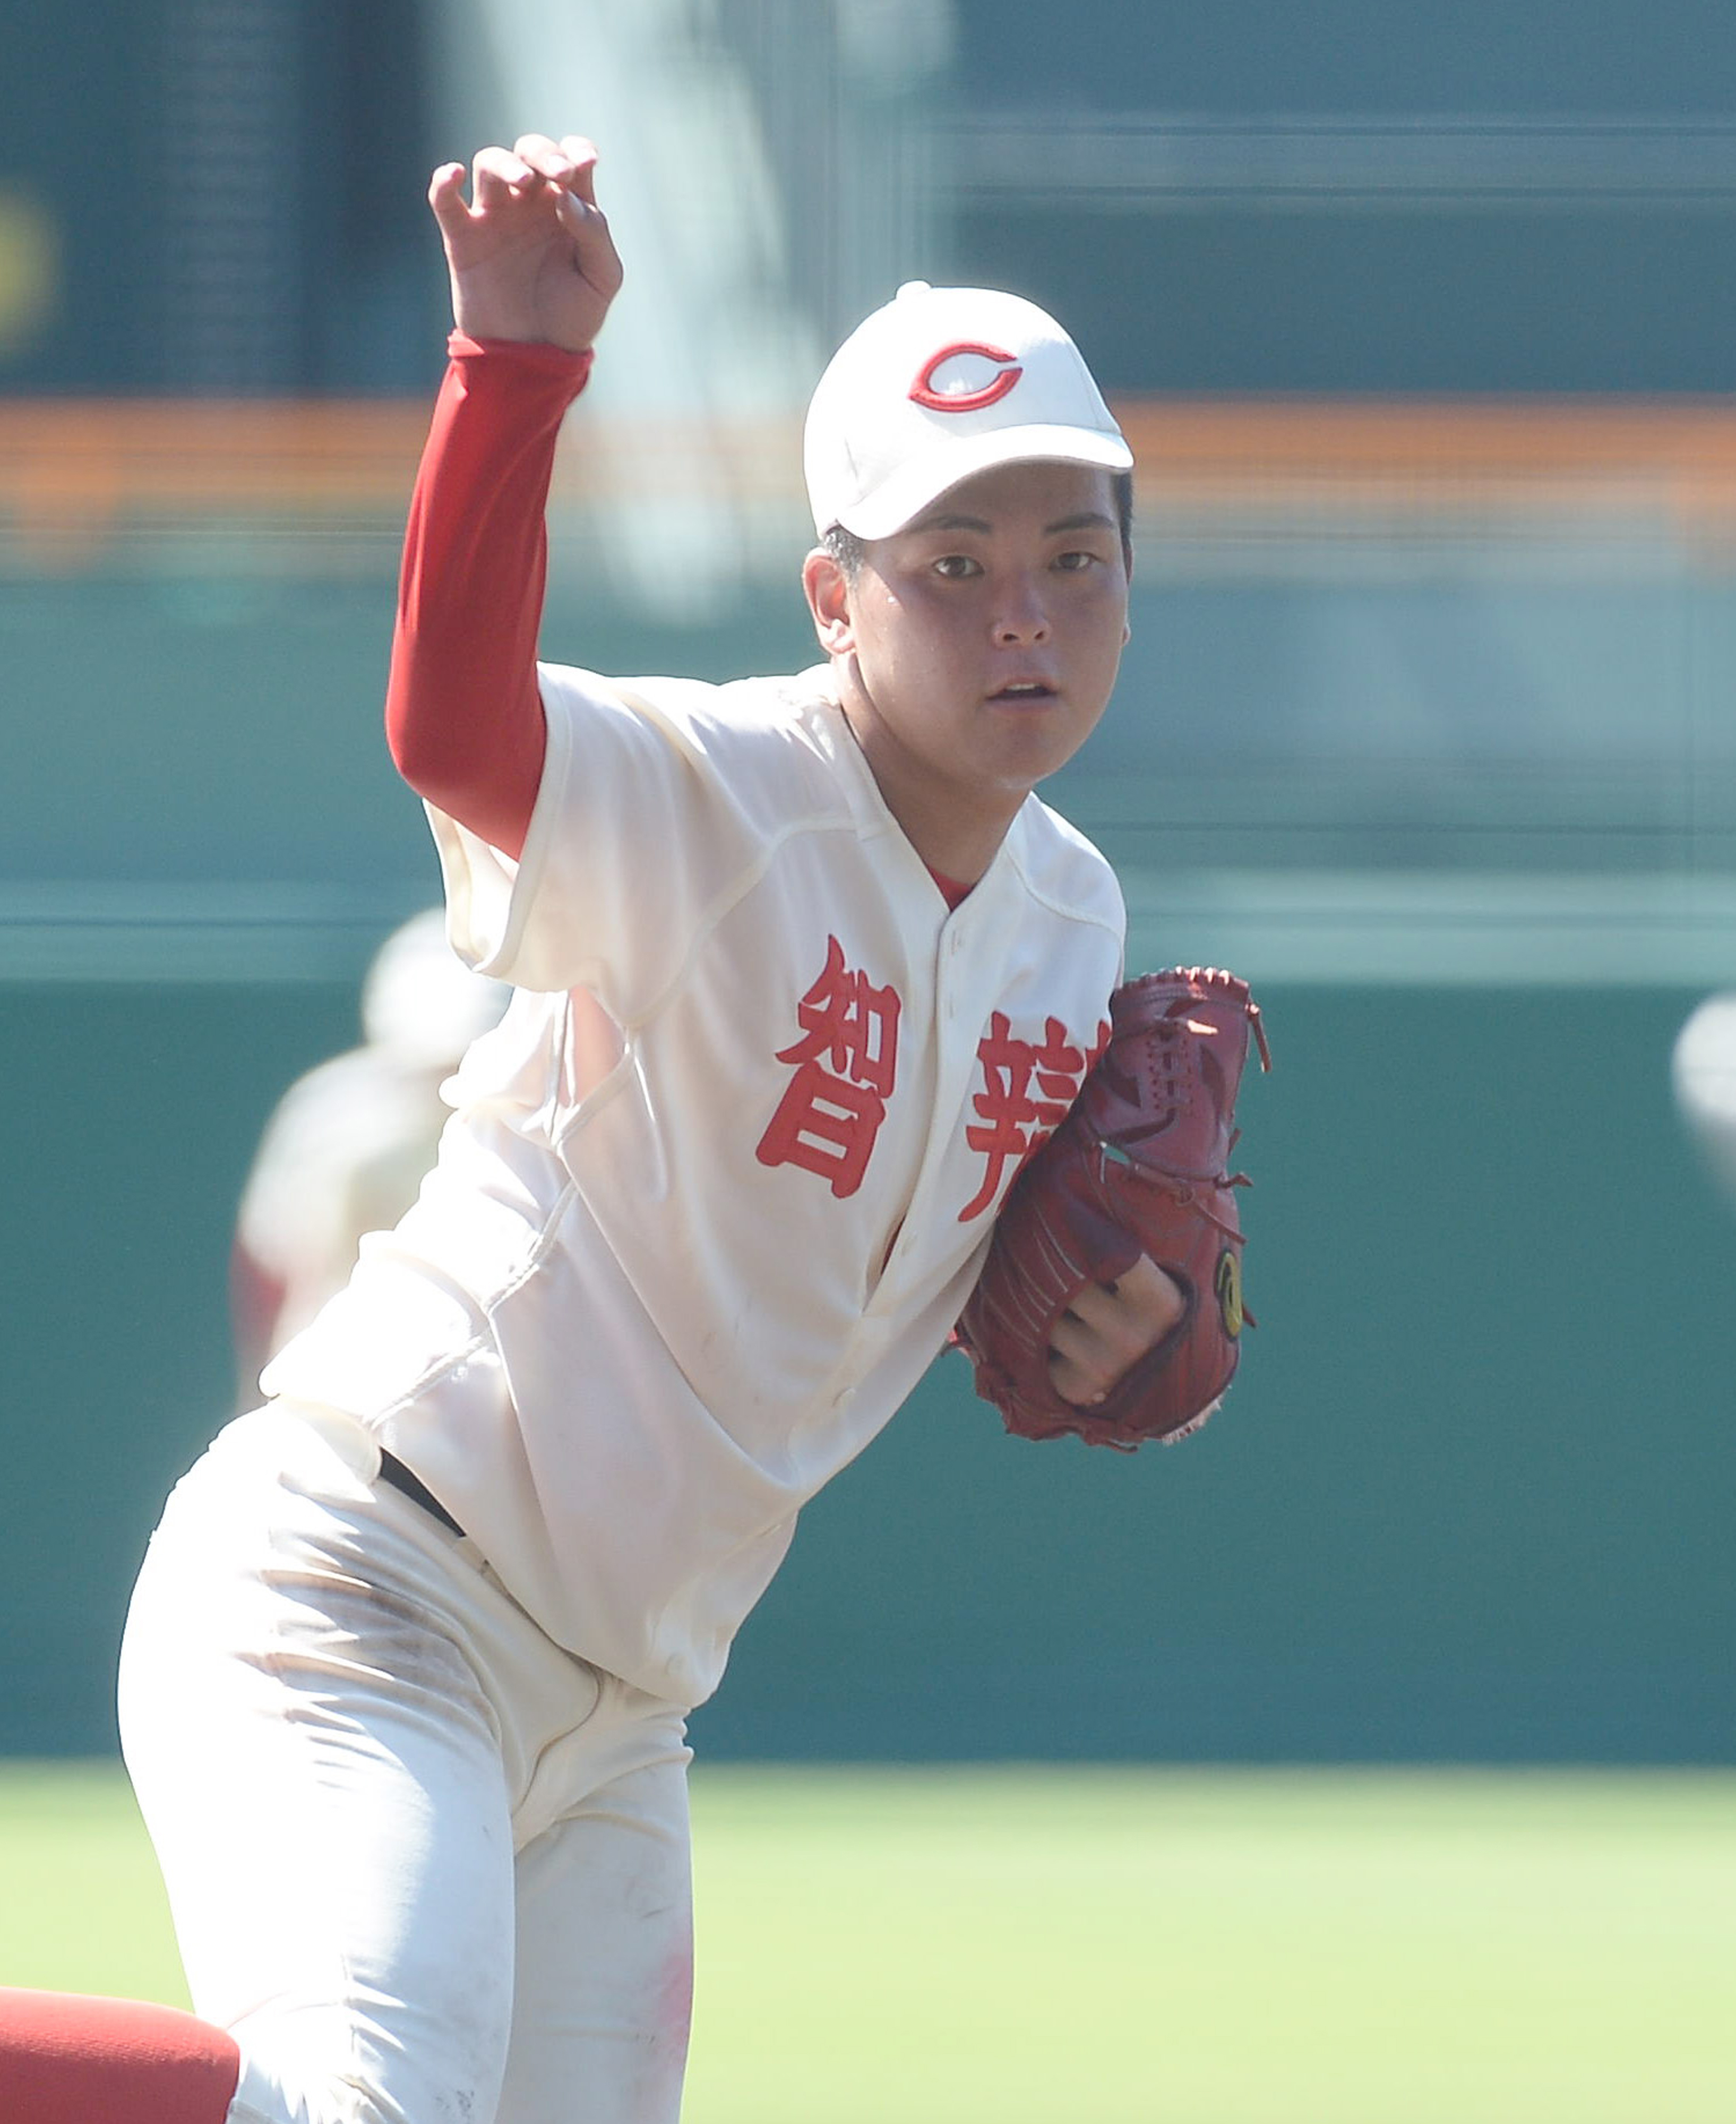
(941, 383)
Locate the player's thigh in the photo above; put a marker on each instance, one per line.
(605, 1959)
(320, 1773)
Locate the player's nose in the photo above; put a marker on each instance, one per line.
(1021, 614)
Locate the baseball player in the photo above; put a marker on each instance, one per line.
(802, 973)
(348, 1144)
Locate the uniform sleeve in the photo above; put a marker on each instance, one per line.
(652, 812)
(462, 715)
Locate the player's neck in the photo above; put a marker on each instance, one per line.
(956, 825)
(956, 845)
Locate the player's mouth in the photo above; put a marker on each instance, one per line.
(1024, 694)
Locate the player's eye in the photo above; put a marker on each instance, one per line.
(1075, 563)
(955, 567)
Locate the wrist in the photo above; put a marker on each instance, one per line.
(542, 354)
(482, 315)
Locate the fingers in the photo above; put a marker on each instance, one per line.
(585, 220)
(594, 246)
(446, 195)
(1108, 1327)
(572, 165)
(497, 175)
(1087, 1353)
(534, 166)
(1149, 1300)
(568, 162)
(582, 153)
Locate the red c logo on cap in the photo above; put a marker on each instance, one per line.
(923, 391)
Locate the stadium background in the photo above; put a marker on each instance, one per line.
(1423, 319)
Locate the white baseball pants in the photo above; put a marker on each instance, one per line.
(424, 1866)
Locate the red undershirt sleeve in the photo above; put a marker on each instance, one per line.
(463, 716)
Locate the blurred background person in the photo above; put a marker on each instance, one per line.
(1703, 1072)
(346, 1149)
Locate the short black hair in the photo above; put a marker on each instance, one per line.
(849, 552)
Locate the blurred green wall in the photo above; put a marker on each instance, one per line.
(1470, 1498)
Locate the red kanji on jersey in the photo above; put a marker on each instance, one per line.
(847, 1063)
(1017, 1114)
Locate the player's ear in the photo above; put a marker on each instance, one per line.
(827, 589)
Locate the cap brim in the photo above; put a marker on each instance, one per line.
(911, 491)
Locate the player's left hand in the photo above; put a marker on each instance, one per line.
(1108, 1327)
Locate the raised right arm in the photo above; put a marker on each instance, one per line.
(533, 271)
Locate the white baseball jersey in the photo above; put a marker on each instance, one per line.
(715, 1190)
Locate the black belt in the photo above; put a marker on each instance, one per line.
(392, 1470)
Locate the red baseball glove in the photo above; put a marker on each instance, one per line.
(1139, 1167)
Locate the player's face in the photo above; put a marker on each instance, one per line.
(977, 648)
